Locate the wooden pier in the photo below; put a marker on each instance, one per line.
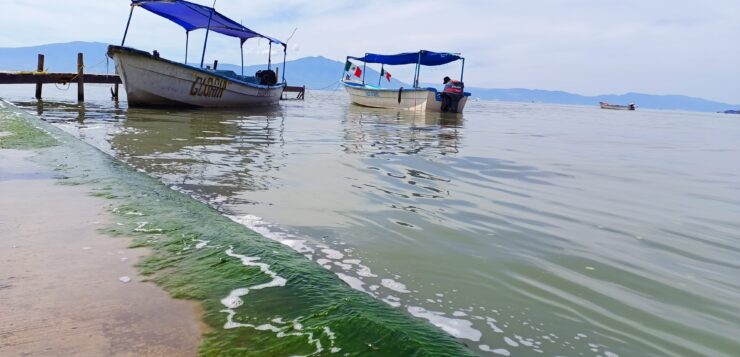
(41, 77)
(301, 92)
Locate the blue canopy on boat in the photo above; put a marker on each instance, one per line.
(426, 58)
(193, 16)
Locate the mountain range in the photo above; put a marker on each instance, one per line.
(324, 73)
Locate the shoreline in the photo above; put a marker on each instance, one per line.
(66, 288)
(294, 306)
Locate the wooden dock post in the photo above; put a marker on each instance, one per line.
(114, 92)
(39, 68)
(80, 78)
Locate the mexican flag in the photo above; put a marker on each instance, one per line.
(386, 74)
(351, 68)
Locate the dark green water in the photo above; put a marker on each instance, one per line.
(519, 228)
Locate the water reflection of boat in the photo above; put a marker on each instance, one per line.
(396, 132)
(605, 105)
(154, 81)
(451, 100)
(212, 153)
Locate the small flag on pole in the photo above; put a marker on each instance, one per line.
(386, 74)
(351, 68)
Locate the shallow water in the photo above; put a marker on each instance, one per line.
(517, 228)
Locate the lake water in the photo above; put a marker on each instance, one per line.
(518, 228)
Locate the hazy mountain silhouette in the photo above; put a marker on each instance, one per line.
(323, 73)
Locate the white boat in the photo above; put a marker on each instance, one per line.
(374, 97)
(414, 98)
(605, 105)
(150, 80)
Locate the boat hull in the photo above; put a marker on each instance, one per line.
(616, 106)
(154, 81)
(407, 99)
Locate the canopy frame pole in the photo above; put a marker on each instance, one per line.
(128, 23)
(364, 67)
(269, 56)
(187, 39)
(382, 66)
(462, 71)
(285, 55)
(208, 28)
(241, 49)
(418, 69)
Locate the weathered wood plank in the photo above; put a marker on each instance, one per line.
(33, 78)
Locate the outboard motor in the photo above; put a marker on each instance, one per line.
(454, 92)
(266, 77)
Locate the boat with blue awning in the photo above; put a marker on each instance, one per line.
(452, 99)
(151, 80)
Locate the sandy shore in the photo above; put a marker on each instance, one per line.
(62, 284)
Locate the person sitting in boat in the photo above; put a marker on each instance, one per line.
(451, 95)
(453, 86)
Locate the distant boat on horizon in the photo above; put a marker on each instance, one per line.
(605, 105)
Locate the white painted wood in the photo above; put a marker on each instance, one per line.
(411, 99)
(151, 81)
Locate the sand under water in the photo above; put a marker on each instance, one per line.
(68, 290)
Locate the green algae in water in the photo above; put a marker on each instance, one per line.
(259, 297)
(21, 134)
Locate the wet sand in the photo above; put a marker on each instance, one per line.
(61, 288)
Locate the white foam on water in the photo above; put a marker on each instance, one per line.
(610, 354)
(233, 300)
(510, 342)
(353, 282)
(343, 266)
(332, 253)
(373, 287)
(201, 244)
(279, 331)
(491, 322)
(395, 286)
(391, 300)
(140, 228)
(323, 261)
(456, 327)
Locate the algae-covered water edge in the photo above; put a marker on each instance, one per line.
(293, 307)
(518, 229)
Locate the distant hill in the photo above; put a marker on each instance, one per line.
(650, 101)
(59, 57)
(323, 73)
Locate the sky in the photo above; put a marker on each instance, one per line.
(588, 47)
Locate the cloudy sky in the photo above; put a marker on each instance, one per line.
(582, 46)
